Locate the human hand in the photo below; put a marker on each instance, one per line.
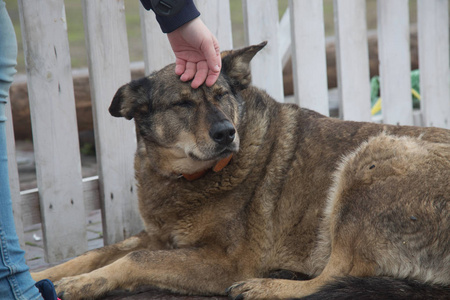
(197, 53)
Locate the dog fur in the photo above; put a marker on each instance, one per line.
(303, 192)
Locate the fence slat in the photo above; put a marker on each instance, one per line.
(29, 199)
(284, 38)
(216, 16)
(106, 40)
(52, 104)
(157, 50)
(395, 61)
(13, 173)
(308, 55)
(261, 24)
(352, 59)
(433, 39)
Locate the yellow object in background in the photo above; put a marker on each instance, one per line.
(377, 106)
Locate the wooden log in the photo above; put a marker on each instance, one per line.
(21, 108)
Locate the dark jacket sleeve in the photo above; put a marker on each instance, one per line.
(171, 22)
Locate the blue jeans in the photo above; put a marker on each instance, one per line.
(15, 279)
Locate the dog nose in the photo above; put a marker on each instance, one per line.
(222, 132)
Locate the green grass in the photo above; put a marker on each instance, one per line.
(31, 244)
(75, 27)
(34, 258)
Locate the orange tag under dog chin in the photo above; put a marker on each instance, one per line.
(222, 163)
(219, 166)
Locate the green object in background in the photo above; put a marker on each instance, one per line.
(375, 98)
(415, 86)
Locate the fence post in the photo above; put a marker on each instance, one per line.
(109, 68)
(433, 38)
(260, 24)
(157, 50)
(395, 61)
(309, 55)
(352, 59)
(56, 148)
(216, 16)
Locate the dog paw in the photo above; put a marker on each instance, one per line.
(252, 289)
(79, 287)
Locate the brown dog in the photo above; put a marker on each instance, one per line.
(362, 202)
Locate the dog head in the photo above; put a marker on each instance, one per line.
(189, 129)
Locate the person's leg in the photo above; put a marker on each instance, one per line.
(15, 279)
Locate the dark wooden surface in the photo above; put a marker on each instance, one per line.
(155, 294)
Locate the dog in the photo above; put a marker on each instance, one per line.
(233, 185)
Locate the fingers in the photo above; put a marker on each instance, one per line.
(202, 65)
(180, 66)
(214, 63)
(199, 71)
(200, 75)
(212, 78)
(189, 72)
(211, 51)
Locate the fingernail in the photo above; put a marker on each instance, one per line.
(216, 68)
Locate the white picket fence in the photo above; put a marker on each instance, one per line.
(63, 198)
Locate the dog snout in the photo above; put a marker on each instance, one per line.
(222, 133)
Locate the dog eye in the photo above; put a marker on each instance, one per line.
(184, 103)
(220, 96)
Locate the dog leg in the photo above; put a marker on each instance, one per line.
(342, 263)
(94, 259)
(189, 271)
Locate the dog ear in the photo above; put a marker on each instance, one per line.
(130, 98)
(236, 64)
